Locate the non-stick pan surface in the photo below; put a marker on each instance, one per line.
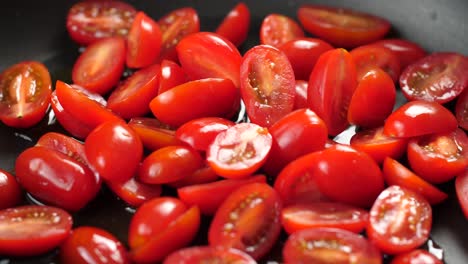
(35, 30)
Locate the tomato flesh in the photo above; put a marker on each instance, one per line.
(202, 254)
(278, 29)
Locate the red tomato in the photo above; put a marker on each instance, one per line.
(397, 174)
(417, 256)
(135, 193)
(100, 66)
(278, 29)
(267, 85)
(240, 150)
(323, 214)
(90, 21)
(213, 97)
(208, 197)
(342, 27)
(208, 55)
(461, 188)
(175, 26)
(253, 228)
(114, 150)
(349, 176)
(203, 175)
(143, 42)
(400, 220)
(66, 120)
(25, 90)
(202, 254)
(10, 191)
(300, 99)
(131, 98)
(235, 26)
(153, 133)
(303, 54)
(438, 158)
(331, 85)
(372, 56)
(461, 110)
(406, 51)
(418, 118)
(364, 110)
(169, 164)
(171, 76)
(292, 136)
(151, 241)
(439, 77)
(32, 230)
(329, 245)
(92, 245)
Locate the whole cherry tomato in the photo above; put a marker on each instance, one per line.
(202, 254)
(235, 26)
(171, 76)
(10, 190)
(278, 29)
(300, 100)
(372, 56)
(406, 51)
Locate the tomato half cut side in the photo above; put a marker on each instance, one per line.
(406, 51)
(369, 56)
(461, 110)
(278, 29)
(32, 230)
(25, 91)
(202, 254)
(461, 188)
(416, 256)
(10, 190)
(235, 26)
(153, 133)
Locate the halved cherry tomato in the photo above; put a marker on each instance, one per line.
(278, 29)
(400, 220)
(267, 85)
(135, 193)
(331, 85)
(461, 110)
(439, 77)
(397, 174)
(143, 42)
(32, 230)
(417, 256)
(323, 214)
(10, 191)
(249, 220)
(153, 133)
(66, 120)
(371, 56)
(329, 245)
(202, 254)
(303, 54)
(342, 27)
(132, 97)
(438, 158)
(240, 150)
(418, 118)
(92, 245)
(171, 76)
(90, 21)
(203, 175)
(25, 90)
(235, 26)
(406, 51)
(461, 188)
(300, 99)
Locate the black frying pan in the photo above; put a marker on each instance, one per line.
(35, 30)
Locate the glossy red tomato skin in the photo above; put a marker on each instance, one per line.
(235, 26)
(153, 133)
(203, 175)
(143, 42)
(400, 220)
(461, 189)
(328, 23)
(370, 56)
(267, 85)
(292, 138)
(417, 256)
(364, 110)
(200, 254)
(278, 29)
(66, 120)
(90, 21)
(331, 85)
(10, 191)
(257, 237)
(131, 98)
(300, 99)
(169, 164)
(303, 54)
(439, 77)
(92, 245)
(406, 51)
(135, 193)
(417, 118)
(113, 164)
(101, 65)
(330, 245)
(33, 230)
(25, 91)
(213, 97)
(461, 110)
(171, 76)
(439, 158)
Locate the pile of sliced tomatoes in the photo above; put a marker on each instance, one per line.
(244, 140)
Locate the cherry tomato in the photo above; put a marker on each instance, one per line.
(171, 76)
(303, 54)
(240, 150)
(331, 85)
(329, 245)
(267, 85)
(418, 118)
(10, 190)
(135, 193)
(461, 110)
(371, 56)
(342, 27)
(397, 174)
(439, 77)
(417, 256)
(406, 51)
(400, 220)
(153, 133)
(461, 188)
(114, 150)
(92, 245)
(300, 99)
(235, 26)
(100, 66)
(32, 230)
(278, 29)
(90, 21)
(202, 254)
(66, 120)
(25, 90)
(253, 228)
(203, 175)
